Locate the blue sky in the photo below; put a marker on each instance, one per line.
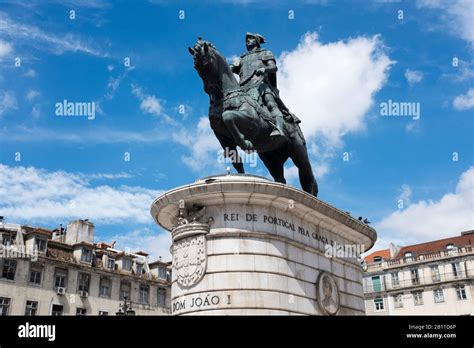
(350, 56)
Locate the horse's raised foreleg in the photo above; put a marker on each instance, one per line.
(231, 118)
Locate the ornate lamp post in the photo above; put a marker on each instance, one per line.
(125, 308)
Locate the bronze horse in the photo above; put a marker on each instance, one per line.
(237, 119)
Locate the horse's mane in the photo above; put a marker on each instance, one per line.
(199, 47)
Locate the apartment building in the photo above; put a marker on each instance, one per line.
(64, 272)
(433, 278)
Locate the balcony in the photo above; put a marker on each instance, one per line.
(413, 283)
(415, 259)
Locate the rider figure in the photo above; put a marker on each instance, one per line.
(257, 68)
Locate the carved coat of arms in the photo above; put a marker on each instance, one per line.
(189, 259)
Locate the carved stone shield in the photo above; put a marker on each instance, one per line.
(189, 259)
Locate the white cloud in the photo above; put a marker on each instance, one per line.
(292, 174)
(464, 101)
(7, 101)
(35, 111)
(30, 73)
(428, 220)
(31, 35)
(405, 194)
(413, 76)
(149, 104)
(203, 145)
(32, 94)
(331, 86)
(5, 48)
(156, 243)
(112, 86)
(102, 135)
(32, 194)
(456, 15)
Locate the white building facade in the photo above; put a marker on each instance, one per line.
(434, 278)
(63, 272)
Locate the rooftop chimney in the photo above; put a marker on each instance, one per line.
(80, 231)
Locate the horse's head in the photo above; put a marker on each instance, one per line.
(206, 63)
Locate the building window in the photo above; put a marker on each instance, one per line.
(378, 304)
(31, 308)
(125, 291)
(139, 268)
(408, 256)
(35, 275)
(60, 276)
(86, 255)
(438, 295)
(162, 273)
(111, 263)
(103, 313)
(6, 239)
(415, 279)
(378, 259)
(435, 277)
(105, 287)
(40, 244)
(81, 311)
(83, 282)
(376, 284)
(127, 264)
(4, 306)
(144, 293)
(456, 269)
(57, 310)
(461, 292)
(161, 298)
(9, 269)
(450, 248)
(395, 280)
(398, 301)
(418, 298)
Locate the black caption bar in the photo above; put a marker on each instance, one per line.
(161, 331)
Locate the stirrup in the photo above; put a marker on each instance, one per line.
(276, 133)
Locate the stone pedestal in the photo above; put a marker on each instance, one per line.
(246, 245)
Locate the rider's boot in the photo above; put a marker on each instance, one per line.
(278, 117)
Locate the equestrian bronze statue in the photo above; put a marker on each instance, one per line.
(251, 114)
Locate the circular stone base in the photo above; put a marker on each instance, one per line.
(245, 245)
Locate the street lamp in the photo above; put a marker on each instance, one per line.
(125, 308)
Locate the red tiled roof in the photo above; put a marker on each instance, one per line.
(467, 238)
(437, 245)
(104, 245)
(385, 253)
